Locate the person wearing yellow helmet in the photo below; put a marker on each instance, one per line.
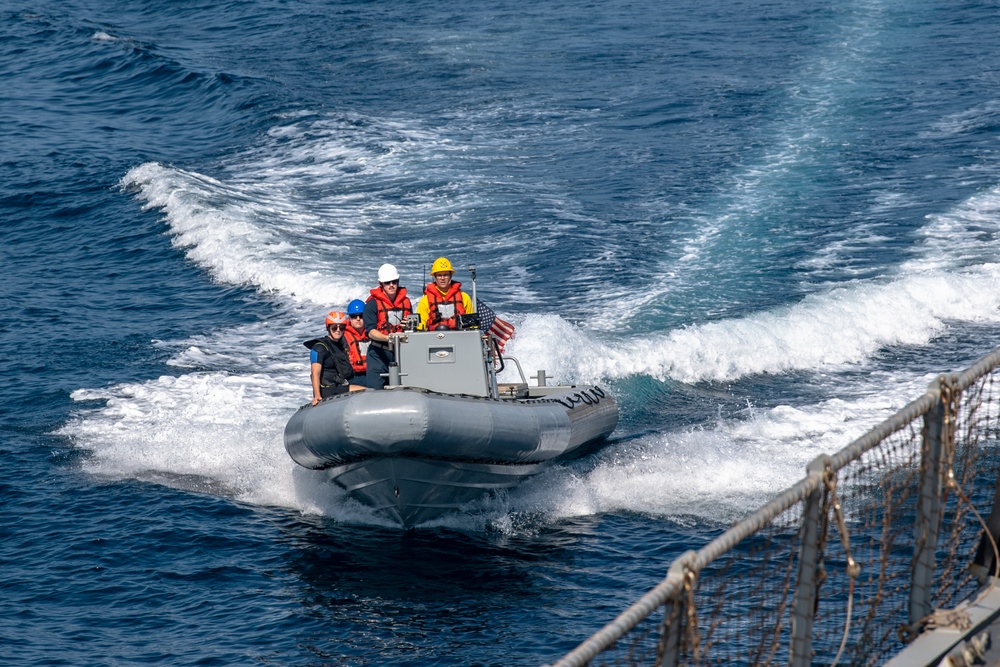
(330, 365)
(443, 300)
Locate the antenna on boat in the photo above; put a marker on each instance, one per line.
(472, 270)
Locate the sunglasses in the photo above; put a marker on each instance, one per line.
(391, 282)
(338, 327)
(358, 315)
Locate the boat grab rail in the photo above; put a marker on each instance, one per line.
(519, 371)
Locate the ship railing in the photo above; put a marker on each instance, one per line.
(878, 543)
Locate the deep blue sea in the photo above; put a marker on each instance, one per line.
(764, 226)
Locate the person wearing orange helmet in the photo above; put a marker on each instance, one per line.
(443, 300)
(330, 364)
(386, 312)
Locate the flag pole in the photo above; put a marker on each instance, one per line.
(475, 304)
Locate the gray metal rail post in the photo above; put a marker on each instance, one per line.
(668, 650)
(810, 560)
(932, 471)
(984, 565)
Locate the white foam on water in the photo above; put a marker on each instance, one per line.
(217, 432)
(312, 211)
(984, 115)
(717, 473)
(845, 326)
(227, 230)
(967, 236)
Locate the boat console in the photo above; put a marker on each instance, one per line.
(450, 362)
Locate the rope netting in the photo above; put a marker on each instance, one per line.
(734, 601)
(969, 501)
(878, 493)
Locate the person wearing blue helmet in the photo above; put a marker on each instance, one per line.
(357, 337)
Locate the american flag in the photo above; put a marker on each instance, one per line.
(503, 331)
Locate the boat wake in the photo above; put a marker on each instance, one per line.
(219, 415)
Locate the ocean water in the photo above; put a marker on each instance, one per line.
(763, 226)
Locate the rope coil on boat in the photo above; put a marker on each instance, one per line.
(591, 396)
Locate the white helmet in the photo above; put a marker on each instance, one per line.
(387, 272)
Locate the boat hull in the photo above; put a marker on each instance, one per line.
(410, 491)
(414, 455)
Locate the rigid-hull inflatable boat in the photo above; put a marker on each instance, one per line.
(444, 432)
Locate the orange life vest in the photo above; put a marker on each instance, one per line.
(391, 314)
(357, 349)
(443, 309)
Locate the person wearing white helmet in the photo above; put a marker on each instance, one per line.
(385, 313)
(443, 300)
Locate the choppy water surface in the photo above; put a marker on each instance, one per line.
(764, 228)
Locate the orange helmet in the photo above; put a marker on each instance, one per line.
(336, 317)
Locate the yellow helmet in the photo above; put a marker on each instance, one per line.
(441, 265)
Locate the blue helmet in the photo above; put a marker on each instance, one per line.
(355, 307)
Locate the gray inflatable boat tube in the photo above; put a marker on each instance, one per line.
(414, 422)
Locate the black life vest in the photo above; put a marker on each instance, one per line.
(337, 369)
